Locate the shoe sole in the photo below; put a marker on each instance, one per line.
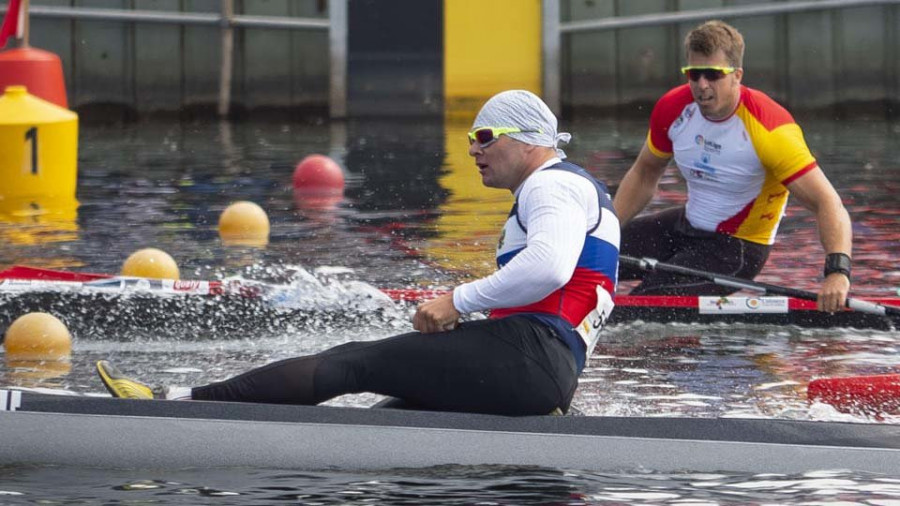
(119, 386)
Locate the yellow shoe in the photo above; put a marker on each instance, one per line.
(121, 386)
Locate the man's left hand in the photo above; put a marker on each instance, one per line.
(833, 295)
(436, 315)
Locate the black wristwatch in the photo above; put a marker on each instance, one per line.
(837, 262)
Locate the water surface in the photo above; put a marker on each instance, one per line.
(415, 215)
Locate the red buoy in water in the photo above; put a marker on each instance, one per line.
(318, 174)
(38, 70)
(318, 183)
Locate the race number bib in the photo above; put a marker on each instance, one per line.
(589, 328)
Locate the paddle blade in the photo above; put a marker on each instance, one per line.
(870, 395)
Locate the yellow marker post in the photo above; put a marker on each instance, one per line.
(489, 47)
(38, 148)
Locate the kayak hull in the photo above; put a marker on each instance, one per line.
(113, 433)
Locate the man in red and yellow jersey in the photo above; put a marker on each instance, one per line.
(741, 154)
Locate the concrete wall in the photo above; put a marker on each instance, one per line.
(807, 60)
(810, 60)
(149, 67)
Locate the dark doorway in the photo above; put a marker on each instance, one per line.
(395, 58)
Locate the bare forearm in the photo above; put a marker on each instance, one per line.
(632, 196)
(639, 185)
(835, 230)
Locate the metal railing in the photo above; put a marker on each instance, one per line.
(336, 24)
(553, 28)
(225, 18)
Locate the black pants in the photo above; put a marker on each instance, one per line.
(668, 237)
(510, 366)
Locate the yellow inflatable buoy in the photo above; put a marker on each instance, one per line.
(150, 263)
(37, 336)
(244, 223)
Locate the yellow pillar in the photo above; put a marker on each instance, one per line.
(489, 46)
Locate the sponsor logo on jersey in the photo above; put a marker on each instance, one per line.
(702, 168)
(708, 145)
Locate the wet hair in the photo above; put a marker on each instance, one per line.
(714, 35)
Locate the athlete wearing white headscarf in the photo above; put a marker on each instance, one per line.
(524, 110)
(556, 256)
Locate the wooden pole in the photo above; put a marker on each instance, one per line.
(337, 42)
(225, 69)
(25, 24)
(550, 51)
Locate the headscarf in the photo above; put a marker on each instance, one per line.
(526, 111)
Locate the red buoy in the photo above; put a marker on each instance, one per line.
(38, 70)
(318, 183)
(871, 395)
(318, 175)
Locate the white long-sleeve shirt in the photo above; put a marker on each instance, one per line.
(556, 208)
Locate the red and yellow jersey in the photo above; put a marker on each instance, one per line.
(736, 168)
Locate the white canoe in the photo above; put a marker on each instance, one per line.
(104, 432)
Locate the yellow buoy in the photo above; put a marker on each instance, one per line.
(244, 223)
(37, 336)
(38, 147)
(150, 263)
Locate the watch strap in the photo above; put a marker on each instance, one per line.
(837, 262)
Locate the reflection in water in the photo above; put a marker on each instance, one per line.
(38, 220)
(396, 166)
(34, 374)
(393, 186)
(470, 220)
(441, 485)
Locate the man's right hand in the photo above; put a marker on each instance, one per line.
(833, 294)
(436, 315)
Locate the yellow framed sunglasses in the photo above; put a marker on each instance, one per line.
(485, 136)
(711, 73)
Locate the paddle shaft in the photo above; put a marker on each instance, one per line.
(651, 264)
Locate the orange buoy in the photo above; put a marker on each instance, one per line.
(244, 223)
(318, 175)
(37, 336)
(150, 263)
(38, 70)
